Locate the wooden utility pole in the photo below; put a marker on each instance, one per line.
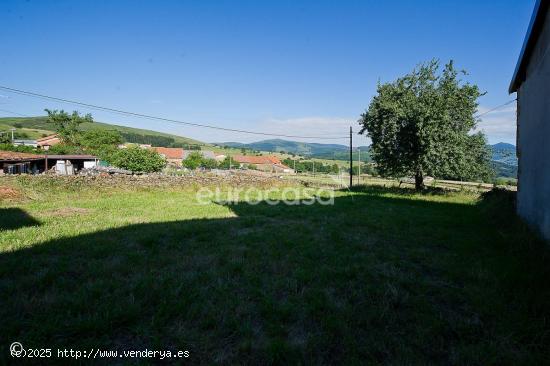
(350, 157)
(359, 166)
(313, 161)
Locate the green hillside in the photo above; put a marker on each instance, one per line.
(36, 127)
(312, 150)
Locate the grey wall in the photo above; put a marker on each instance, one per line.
(534, 137)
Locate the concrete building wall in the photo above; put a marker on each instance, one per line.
(534, 137)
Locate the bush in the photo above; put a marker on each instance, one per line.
(196, 160)
(504, 181)
(227, 163)
(23, 149)
(137, 160)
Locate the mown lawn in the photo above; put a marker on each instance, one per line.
(382, 276)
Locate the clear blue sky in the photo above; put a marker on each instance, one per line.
(297, 67)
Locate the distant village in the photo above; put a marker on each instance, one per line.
(14, 162)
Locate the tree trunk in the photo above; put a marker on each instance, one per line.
(419, 180)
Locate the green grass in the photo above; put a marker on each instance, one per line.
(382, 276)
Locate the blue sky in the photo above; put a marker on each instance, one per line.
(294, 67)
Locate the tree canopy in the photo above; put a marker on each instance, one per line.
(92, 139)
(197, 160)
(422, 124)
(66, 125)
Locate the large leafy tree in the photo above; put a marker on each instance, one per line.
(67, 125)
(422, 124)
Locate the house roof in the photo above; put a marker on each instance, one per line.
(72, 157)
(246, 159)
(170, 152)
(18, 156)
(533, 32)
(48, 140)
(24, 141)
(49, 137)
(207, 154)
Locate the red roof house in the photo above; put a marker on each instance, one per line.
(46, 142)
(171, 154)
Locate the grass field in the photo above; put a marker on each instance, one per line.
(382, 276)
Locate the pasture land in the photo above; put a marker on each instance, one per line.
(385, 275)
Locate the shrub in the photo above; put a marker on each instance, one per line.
(137, 160)
(196, 160)
(10, 147)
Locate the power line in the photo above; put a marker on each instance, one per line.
(15, 113)
(133, 114)
(495, 108)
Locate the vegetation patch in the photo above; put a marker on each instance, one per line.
(385, 275)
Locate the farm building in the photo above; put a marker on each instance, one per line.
(20, 163)
(25, 163)
(173, 155)
(45, 142)
(265, 163)
(31, 143)
(531, 81)
(71, 164)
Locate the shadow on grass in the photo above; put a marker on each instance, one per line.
(14, 218)
(373, 279)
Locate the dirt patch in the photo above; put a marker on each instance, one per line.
(7, 193)
(68, 211)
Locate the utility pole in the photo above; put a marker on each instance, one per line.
(229, 162)
(350, 157)
(12, 129)
(359, 166)
(294, 160)
(313, 161)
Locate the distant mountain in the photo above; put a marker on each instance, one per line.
(503, 146)
(504, 153)
(307, 149)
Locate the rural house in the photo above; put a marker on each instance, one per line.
(45, 142)
(265, 163)
(531, 81)
(173, 155)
